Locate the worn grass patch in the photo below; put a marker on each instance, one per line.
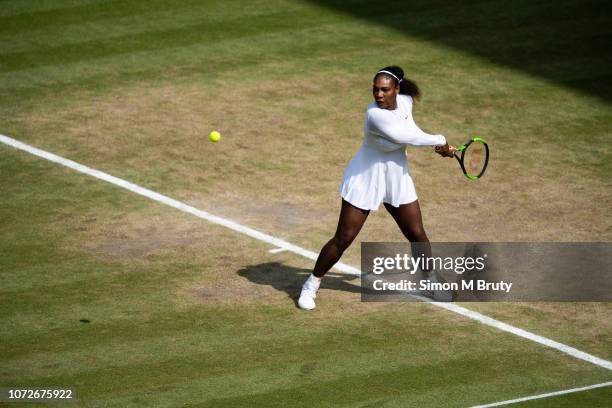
(157, 136)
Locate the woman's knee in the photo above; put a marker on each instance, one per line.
(343, 239)
(416, 235)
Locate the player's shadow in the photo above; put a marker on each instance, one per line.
(289, 279)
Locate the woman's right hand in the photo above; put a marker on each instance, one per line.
(446, 150)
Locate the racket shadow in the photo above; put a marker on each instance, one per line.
(289, 279)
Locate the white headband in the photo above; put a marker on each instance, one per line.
(390, 73)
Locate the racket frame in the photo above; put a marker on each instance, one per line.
(463, 149)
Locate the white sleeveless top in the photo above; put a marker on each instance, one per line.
(379, 171)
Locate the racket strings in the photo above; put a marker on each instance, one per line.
(474, 159)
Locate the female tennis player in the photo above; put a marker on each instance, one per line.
(379, 173)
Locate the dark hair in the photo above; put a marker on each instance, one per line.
(407, 86)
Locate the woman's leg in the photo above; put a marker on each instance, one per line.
(349, 224)
(408, 218)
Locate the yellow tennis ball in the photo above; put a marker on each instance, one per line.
(214, 136)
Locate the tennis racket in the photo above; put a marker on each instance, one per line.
(473, 157)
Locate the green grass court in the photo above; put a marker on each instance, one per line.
(186, 313)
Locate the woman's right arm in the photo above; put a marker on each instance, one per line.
(387, 125)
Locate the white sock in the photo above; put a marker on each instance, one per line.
(313, 281)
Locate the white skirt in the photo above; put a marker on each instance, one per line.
(373, 177)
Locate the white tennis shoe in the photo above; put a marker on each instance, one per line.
(309, 293)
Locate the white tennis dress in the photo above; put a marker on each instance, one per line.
(379, 171)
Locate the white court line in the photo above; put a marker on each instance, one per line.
(486, 320)
(276, 250)
(540, 396)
